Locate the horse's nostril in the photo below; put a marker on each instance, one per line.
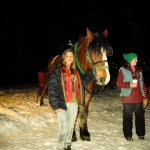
(102, 80)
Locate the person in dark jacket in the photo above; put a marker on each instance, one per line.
(65, 92)
(134, 96)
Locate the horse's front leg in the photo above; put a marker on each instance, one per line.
(84, 133)
(83, 115)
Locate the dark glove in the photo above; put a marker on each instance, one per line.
(88, 77)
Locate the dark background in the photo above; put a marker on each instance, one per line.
(32, 32)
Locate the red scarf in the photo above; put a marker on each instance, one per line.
(68, 84)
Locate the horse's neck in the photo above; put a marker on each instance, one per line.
(81, 60)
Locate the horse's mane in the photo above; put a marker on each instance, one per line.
(98, 42)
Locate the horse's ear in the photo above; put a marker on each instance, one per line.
(105, 33)
(89, 34)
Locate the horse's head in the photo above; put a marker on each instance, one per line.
(97, 50)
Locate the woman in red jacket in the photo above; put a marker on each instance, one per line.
(134, 96)
(63, 97)
(65, 92)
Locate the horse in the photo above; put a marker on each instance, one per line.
(91, 53)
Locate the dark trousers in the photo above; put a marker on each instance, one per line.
(128, 111)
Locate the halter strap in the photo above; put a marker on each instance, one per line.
(94, 63)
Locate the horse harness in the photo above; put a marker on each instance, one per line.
(93, 64)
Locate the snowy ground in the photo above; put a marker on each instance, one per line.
(24, 125)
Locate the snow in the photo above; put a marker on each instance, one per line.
(25, 125)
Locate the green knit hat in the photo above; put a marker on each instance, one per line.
(129, 57)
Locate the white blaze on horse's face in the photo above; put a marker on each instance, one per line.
(103, 74)
(106, 69)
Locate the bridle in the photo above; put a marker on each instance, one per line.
(90, 60)
(94, 64)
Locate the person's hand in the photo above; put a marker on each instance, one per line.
(133, 85)
(145, 103)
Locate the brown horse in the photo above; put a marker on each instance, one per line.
(91, 52)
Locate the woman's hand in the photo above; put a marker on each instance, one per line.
(133, 85)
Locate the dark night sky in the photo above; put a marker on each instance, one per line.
(32, 32)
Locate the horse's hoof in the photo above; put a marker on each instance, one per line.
(85, 138)
(84, 135)
(74, 138)
(41, 104)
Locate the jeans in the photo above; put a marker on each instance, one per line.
(128, 111)
(66, 119)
